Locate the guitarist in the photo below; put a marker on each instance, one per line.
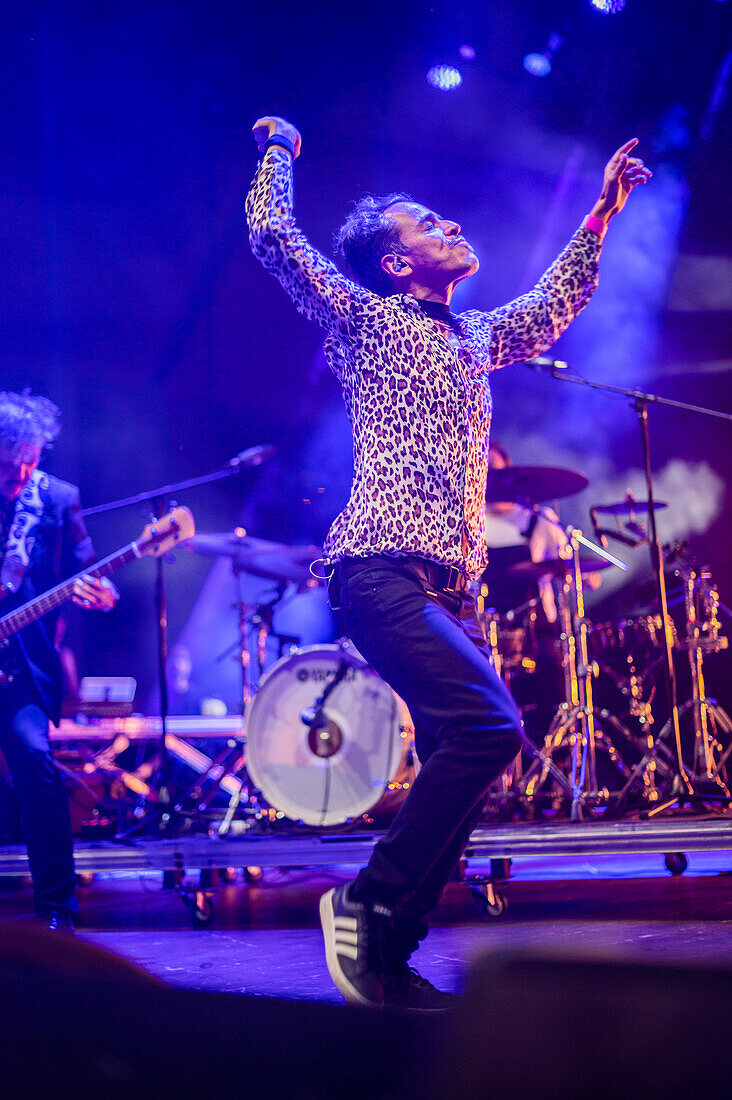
(43, 540)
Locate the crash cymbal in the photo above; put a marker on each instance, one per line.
(557, 567)
(533, 483)
(273, 561)
(628, 507)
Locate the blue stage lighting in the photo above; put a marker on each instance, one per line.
(445, 77)
(538, 64)
(611, 7)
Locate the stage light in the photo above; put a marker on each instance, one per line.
(445, 77)
(467, 53)
(538, 64)
(610, 7)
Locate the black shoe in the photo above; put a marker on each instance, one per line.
(354, 933)
(405, 988)
(59, 920)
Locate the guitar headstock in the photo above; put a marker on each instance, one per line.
(167, 532)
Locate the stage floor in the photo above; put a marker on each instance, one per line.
(265, 939)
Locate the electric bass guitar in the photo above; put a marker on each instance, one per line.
(156, 539)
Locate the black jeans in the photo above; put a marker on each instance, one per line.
(42, 798)
(466, 725)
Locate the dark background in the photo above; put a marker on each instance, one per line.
(130, 297)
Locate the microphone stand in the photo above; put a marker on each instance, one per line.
(682, 787)
(231, 469)
(255, 456)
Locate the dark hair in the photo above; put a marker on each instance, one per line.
(26, 420)
(367, 236)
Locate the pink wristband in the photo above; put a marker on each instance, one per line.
(597, 225)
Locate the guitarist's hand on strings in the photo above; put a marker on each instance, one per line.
(95, 594)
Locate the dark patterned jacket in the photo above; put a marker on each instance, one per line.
(419, 410)
(62, 548)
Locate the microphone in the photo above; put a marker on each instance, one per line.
(542, 362)
(253, 456)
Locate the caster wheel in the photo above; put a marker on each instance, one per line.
(490, 903)
(676, 862)
(200, 907)
(253, 875)
(227, 875)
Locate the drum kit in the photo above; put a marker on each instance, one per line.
(327, 742)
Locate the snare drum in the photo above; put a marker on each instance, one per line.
(355, 758)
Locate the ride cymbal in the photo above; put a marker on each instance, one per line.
(532, 483)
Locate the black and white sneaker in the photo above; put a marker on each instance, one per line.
(354, 934)
(405, 988)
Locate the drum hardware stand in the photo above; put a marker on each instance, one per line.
(227, 762)
(576, 723)
(510, 779)
(683, 787)
(254, 456)
(261, 615)
(707, 774)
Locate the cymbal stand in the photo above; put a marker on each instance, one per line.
(261, 616)
(576, 725)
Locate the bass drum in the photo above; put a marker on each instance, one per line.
(352, 758)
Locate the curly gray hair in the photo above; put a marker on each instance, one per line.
(25, 420)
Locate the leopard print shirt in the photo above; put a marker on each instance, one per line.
(420, 411)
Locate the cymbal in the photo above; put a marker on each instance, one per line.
(628, 507)
(274, 561)
(557, 567)
(533, 483)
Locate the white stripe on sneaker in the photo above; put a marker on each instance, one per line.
(349, 951)
(346, 937)
(345, 922)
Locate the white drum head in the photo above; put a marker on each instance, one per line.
(338, 768)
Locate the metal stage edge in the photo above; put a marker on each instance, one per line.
(280, 849)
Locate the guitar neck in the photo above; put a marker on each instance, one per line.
(49, 601)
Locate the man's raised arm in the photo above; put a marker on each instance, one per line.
(314, 283)
(530, 324)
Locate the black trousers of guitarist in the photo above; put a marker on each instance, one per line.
(60, 547)
(41, 796)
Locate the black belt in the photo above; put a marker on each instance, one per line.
(441, 578)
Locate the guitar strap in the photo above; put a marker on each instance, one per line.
(20, 540)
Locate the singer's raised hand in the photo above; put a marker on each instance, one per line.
(622, 173)
(271, 125)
